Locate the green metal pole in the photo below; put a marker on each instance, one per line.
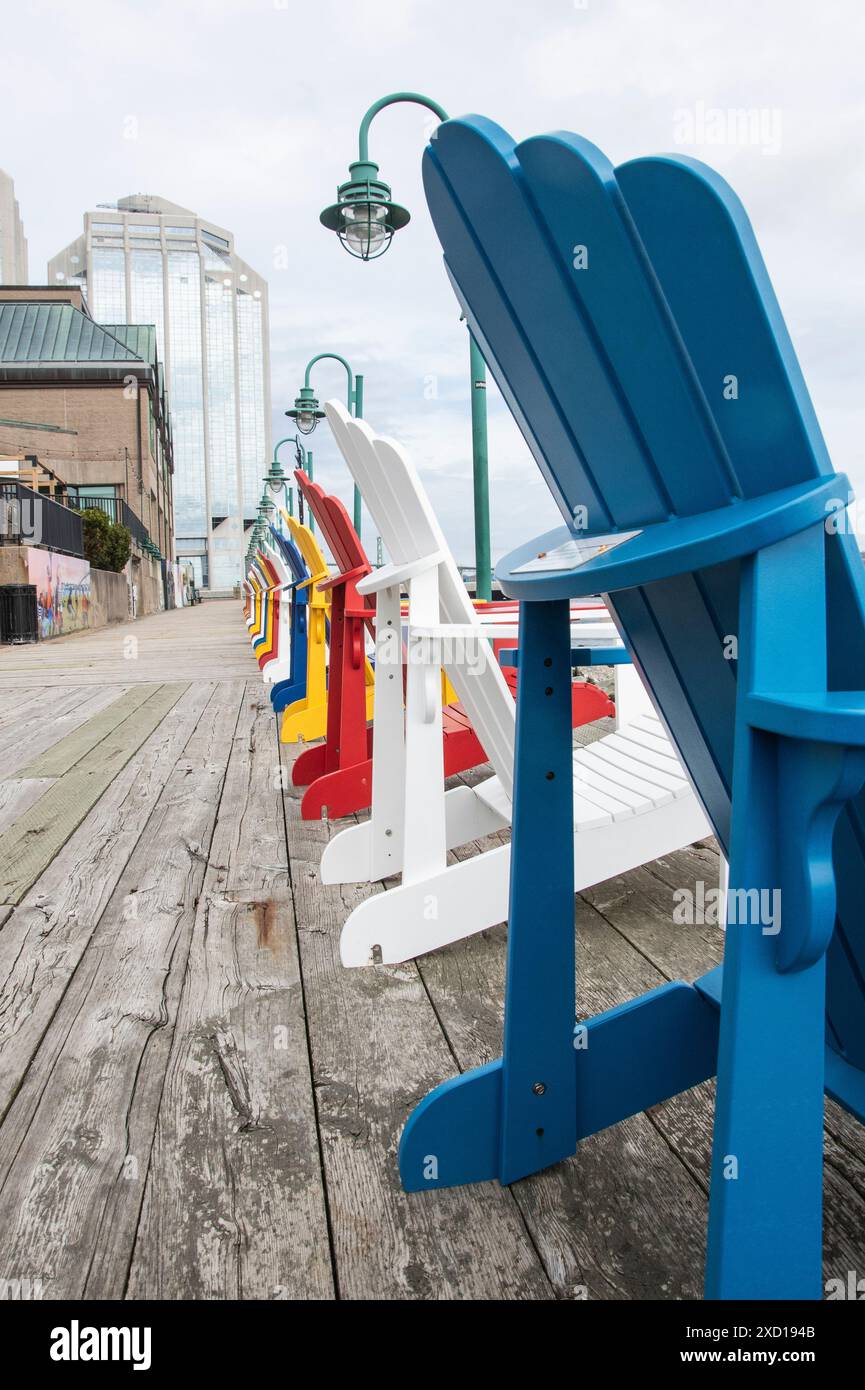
(358, 414)
(391, 100)
(309, 474)
(480, 459)
(480, 471)
(354, 400)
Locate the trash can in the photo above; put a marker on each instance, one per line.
(18, 615)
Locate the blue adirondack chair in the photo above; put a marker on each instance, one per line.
(285, 692)
(629, 320)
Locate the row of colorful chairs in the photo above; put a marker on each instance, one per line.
(310, 628)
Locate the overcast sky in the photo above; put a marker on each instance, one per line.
(247, 111)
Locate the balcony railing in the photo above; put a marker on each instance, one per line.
(119, 511)
(109, 505)
(28, 518)
(136, 528)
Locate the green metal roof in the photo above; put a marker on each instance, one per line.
(139, 337)
(57, 333)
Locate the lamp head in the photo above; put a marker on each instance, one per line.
(275, 477)
(364, 217)
(306, 413)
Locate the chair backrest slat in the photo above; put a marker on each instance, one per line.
(335, 523)
(404, 518)
(291, 555)
(630, 322)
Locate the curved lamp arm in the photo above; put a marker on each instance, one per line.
(336, 358)
(289, 439)
(415, 97)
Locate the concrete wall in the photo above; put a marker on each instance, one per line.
(109, 597)
(146, 575)
(13, 564)
(110, 600)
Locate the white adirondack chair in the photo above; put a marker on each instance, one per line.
(632, 798)
(279, 668)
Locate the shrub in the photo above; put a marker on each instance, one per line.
(106, 543)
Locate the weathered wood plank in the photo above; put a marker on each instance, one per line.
(18, 704)
(208, 642)
(18, 796)
(55, 725)
(68, 751)
(31, 843)
(234, 1204)
(42, 724)
(377, 1047)
(75, 1146)
(42, 944)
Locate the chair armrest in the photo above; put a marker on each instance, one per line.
(389, 576)
(344, 577)
(834, 717)
(668, 548)
(314, 579)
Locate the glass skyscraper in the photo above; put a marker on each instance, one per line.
(145, 260)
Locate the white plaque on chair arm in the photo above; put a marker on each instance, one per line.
(575, 552)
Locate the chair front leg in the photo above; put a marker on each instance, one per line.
(539, 1075)
(424, 825)
(388, 740)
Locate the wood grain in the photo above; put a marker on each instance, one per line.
(234, 1204)
(75, 1147)
(377, 1047)
(45, 937)
(29, 845)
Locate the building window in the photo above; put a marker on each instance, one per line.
(145, 290)
(221, 403)
(253, 445)
(109, 286)
(187, 393)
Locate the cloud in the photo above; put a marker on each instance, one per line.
(248, 111)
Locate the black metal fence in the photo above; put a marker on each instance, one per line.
(136, 528)
(28, 518)
(109, 505)
(117, 510)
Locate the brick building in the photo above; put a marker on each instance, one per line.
(87, 401)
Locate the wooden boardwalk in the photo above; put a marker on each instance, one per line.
(198, 1101)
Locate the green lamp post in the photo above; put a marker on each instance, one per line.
(276, 479)
(306, 412)
(365, 219)
(266, 507)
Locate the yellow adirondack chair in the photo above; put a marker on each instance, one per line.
(306, 720)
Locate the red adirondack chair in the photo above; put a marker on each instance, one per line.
(337, 773)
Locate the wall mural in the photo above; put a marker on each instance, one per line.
(62, 591)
